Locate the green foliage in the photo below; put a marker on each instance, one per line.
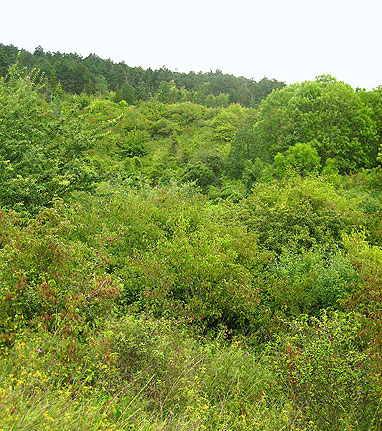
(242, 149)
(134, 144)
(173, 260)
(300, 158)
(93, 75)
(126, 93)
(138, 373)
(258, 171)
(325, 366)
(163, 127)
(167, 92)
(40, 156)
(367, 299)
(311, 281)
(48, 281)
(201, 174)
(298, 214)
(326, 111)
(373, 99)
(226, 123)
(163, 291)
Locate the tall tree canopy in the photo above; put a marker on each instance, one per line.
(327, 113)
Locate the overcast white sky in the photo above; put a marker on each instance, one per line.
(289, 40)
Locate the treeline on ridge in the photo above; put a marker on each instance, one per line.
(94, 75)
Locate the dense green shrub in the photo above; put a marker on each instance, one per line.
(201, 174)
(298, 214)
(325, 366)
(310, 281)
(367, 299)
(41, 155)
(200, 274)
(300, 158)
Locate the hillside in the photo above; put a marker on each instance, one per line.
(167, 263)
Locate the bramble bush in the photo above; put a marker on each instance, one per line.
(48, 281)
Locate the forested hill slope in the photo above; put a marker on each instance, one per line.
(94, 75)
(171, 266)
